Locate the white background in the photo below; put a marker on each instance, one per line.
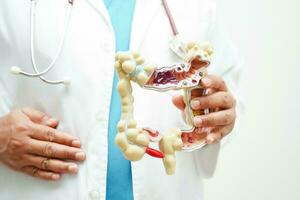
(262, 162)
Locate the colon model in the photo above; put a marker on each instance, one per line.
(133, 140)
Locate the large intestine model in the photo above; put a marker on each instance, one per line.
(134, 141)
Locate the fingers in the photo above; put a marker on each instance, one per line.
(178, 102)
(45, 133)
(54, 165)
(224, 117)
(53, 123)
(40, 117)
(222, 100)
(35, 172)
(54, 150)
(219, 133)
(197, 92)
(215, 82)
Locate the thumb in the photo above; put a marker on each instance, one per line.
(40, 117)
(178, 102)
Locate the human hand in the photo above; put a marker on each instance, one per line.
(30, 143)
(220, 102)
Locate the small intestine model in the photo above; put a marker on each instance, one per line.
(134, 141)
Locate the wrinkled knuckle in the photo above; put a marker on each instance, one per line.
(228, 118)
(50, 134)
(28, 147)
(48, 150)
(12, 146)
(227, 100)
(15, 158)
(210, 121)
(16, 162)
(45, 163)
(35, 171)
(16, 146)
(21, 127)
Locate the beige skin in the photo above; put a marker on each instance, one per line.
(220, 100)
(30, 143)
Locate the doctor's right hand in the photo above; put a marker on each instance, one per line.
(30, 143)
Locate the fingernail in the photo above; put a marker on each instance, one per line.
(207, 129)
(197, 121)
(209, 91)
(55, 176)
(51, 121)
(76, 143)
(80, 156)
(73, 168)
(195, 104)
(206, 81)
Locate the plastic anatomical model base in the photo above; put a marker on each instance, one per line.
(133, 140)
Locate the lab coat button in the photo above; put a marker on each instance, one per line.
(94, 194)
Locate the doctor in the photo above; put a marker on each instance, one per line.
(60, 132)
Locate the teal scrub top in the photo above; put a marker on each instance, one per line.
(119, 178)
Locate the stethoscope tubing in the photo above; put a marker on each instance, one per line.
(60, 47)
(38, 73)
(66, 81)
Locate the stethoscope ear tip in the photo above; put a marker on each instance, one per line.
(15, 70)
(67, 81)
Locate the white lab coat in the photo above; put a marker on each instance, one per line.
(83, 107)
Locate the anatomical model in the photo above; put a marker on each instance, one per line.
(133, 140)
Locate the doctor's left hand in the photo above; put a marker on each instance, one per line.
(221, 104)
(31, 144)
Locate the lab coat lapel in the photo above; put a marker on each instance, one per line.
(99, 6)
(145, 11)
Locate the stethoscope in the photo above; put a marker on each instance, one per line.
(175, 44)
